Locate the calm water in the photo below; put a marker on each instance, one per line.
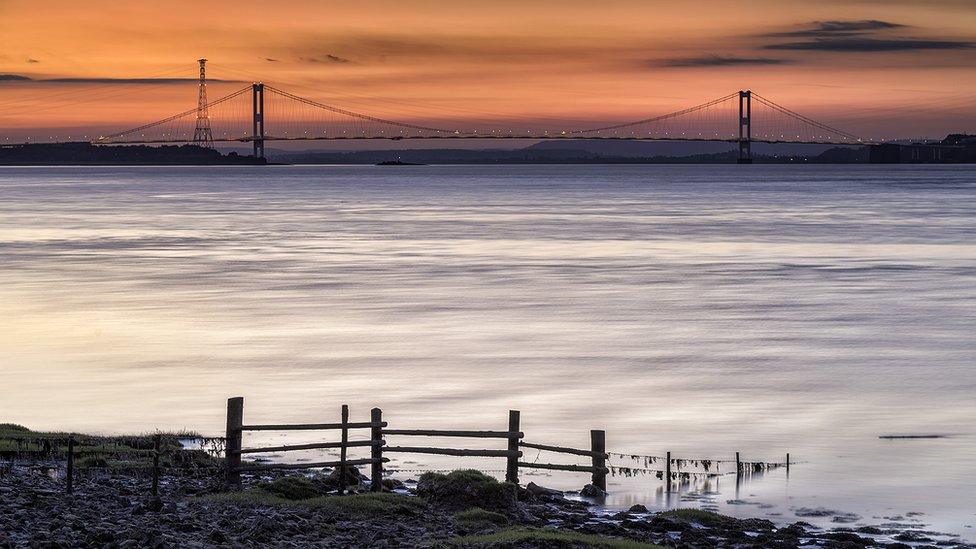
(700, 310)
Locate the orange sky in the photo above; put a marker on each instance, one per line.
(871, 66)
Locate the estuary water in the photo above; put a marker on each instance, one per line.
(700, 310)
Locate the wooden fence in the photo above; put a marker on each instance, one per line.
(378, 447)
(53, 446)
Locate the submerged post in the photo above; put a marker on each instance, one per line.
(342, 449)
(745, 127)
(376, 437)
(787, 464)
(155, 466)
(511, 469)
(598, 445)
(70, 473)
(667, 472)
(257, 118)
(232, 448)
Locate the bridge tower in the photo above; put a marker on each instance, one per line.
(257, 117)
(202, 134)
(745, 127)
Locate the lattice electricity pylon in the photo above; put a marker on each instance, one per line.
(203, 133)
(230, 120)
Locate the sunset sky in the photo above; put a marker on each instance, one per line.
(875, 67)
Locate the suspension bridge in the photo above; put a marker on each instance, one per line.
(259, 113)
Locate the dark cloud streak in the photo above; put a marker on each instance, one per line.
(326, 59)
(840, 28)
(129, 80)
(865, 44)
(721, 61)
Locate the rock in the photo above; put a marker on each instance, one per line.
(541, 492)
(217, 536)
(591, 491)
(912, 536)
(638, 509)
(848, 537)
(353, 477)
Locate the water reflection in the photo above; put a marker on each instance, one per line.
(685, 309)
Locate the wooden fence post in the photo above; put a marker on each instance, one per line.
(342, 449)
(511, 469)
(667, 472)
(235, 421)
(598, 445)
(69, 487)
(155, 467)
(376, 437)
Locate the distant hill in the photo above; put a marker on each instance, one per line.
(549, 153)
(650, 149)
(634, 149)
(103, 155)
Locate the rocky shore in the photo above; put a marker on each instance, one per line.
(461, 509)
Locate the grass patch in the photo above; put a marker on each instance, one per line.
(294, 488)
(467, 488)
(13, 429)
(476, 517)
(354, 506)
(544, 537)
(699, 516)
(124, 451)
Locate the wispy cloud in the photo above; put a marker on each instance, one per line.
(867, 44)
(327, 58)
(32, 60)
(13, 78)
(836, 28)
(97, 80)
(721, 61)
(271, 60)
(864, 35)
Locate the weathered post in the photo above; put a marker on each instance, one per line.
(667, 472)
(738, 465)
(598, 445)
(376, 437)
(342, 449)
(235, 422)
(511, 469)
(787, 464)
(155, 466)
(69, 486)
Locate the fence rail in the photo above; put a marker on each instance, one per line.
(378, 447)
(136, 449)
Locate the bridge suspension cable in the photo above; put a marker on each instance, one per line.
(830, 129)
(288, 116)
(118, 137)
(353, 114)
(662, 117)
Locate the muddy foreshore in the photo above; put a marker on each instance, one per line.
(113, 509)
